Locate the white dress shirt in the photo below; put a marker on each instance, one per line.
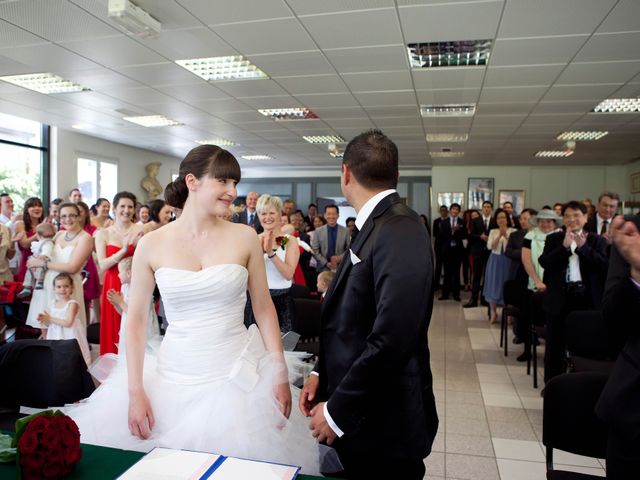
(599, 222)
(573, 271)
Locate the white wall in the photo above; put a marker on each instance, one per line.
(630, 170)
(131, 162)
(542, 185)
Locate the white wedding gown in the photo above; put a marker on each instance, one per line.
(211, 384)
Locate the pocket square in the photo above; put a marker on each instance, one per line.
(354, 258)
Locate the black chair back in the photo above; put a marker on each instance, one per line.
(307, 324)
(300, 291)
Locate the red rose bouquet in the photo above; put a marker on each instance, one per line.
(47, 445)
(282, 241)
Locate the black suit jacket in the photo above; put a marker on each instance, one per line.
(447, 235)
(374, 355)
(619, 404)
(593, 269)
(477, 246)
(242, 218)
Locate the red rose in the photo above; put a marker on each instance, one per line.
(71, 425)
(50, 438)
(38, 424)
(65, 470)
(30, 474)
(58, 423)
(69, 439)
(28, 442)
(33, 461)
(52, 470)
(71, 456)
(54, 455)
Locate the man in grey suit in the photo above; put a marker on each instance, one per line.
(249, 216)
(330, 241)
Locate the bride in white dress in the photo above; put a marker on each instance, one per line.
(215, 386)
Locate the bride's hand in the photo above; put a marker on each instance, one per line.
(283, 395)
(141, 419)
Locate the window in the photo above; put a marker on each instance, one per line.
(24, 155)
(97, 178)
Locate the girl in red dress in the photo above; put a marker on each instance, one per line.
(112, 245)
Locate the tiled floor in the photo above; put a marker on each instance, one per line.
(490, 414)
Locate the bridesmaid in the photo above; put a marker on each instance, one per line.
(102, 219)
(112, 245)
(32, 215)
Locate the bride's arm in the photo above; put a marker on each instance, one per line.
(141, 419)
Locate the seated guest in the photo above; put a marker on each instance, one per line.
(324, 280)
(498, 265)
(452, 232)
(575, 268)
(606, 210)
(330, 241)
(619, 403)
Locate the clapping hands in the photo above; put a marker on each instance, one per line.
(626, 238)
(570, 237)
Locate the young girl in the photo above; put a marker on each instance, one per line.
(62, 319)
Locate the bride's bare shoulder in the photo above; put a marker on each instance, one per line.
(243, 232)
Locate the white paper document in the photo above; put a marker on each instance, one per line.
(236, 468)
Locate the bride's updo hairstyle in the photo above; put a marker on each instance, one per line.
(205, 160)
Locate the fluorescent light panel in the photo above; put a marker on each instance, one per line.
(222, 68)
(448, 110)
(257, 157)
(296, 113)
(152, 121)
(221, 142)
(337, 154)
(581, 136)
(324, 139)
(46, 83)
(447, 137)
(554, 153)
(446, 154)
(449, 54)
(618, 105)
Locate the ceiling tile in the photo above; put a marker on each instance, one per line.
(304, 7)
(599, 72)
(533, 51)
(271, 36)
(279, 101)
(374, 59)
(406, 97)
(12, 36)
(607, 47)
(433, 23)
(292, 64)
(339, 112)
(512, 94)
(341, 30)
(512, 108)
(251, 88)
(229, 11)
(522, 75)
(48, 58)
(313, 84)
(580, 92)
(458, 77)
(392, 111)
(623, 18)
(189, 43)
(378, 81)
(545, 107)
(484, 120)
(161, 74)
(438, 97)
(328, 100)
(193, 92)
(118, 51)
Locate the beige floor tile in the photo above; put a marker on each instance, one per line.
(469, 445)
(502, 414)
(465, 426)
(518, 449)
(434, 464)
(501, 400)
(473, 412)
(470, 398)
(502, 378)
(521, 470)
(466, 467)
(490, 368)
(512, 430)
(561, 457)
(532, 402)
(498, 388)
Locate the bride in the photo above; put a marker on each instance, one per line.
(215, 385)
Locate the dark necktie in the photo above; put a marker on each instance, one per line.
(603, 228)
(486, 225)
(332, 233)
(251, 215)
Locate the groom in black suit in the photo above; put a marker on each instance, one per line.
(373, 380)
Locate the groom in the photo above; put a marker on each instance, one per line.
(373, 380)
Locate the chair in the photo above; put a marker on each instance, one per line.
(587, 344)
(93, 333)
(569, 422)
(511, 299)
(307, 324)
(300, 291)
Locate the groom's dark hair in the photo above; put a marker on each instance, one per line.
(373, 160)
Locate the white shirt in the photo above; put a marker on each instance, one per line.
(599, 222)
(361, 218)
(573, 272)
(254, 213)
(486, 221)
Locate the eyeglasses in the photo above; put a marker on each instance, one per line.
(68, 216)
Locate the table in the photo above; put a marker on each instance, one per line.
(100, 463)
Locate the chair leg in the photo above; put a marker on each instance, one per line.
(528, 347)
(505, 329)
(535, 360)
(502, 320)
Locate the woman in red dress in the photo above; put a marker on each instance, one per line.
(112, 245)
(32, 215)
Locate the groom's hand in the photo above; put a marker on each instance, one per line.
(319, 427)
(308, 395)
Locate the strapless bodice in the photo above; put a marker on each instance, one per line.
(206, 332)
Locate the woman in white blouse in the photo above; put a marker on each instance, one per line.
(497, 271)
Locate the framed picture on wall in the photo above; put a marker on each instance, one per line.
(447, 198)
(479, 190)
(516, 197)
(635, 183)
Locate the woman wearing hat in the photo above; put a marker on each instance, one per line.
(546, 222)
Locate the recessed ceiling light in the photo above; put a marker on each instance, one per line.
(296, 113)
(78, 126)
(337, 154)
(221, 142)
(446, 154)
(324, 139)
(222, 68)
(618, 105)
(47, 83)
(449, 110)
(581, 136)
(152, 121)
(449, 54)
(447, 137)
(257, 157)
(554, 153)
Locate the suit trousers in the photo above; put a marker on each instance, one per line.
(367, 467)
(479, 263)
(623, 457)
(438, 272)
(452, 260)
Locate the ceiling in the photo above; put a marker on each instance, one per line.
(552, 61)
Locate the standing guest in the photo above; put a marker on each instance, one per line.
(249, 216)
(514, 247)
(607, 208)
(91, 286)
(425, 220)
(75, 195)
(330, 241)
(32, 216)
(159, 215)
(575, 268)
(143, 214)
(8, 218)
(499, 265)
(452, 233)
(304, 271)
(374, 382)
(557, 207)
(350, 223)
(54, 212)
(43, 248)
(312, 211)
(591, 210)
(513, 218)
(479, 252)
(72, 247)
(102, 219)
(112, 245)
(281, 255)
(6, 275)
(288, 207)
(318, 222)
(62, 317)
(467, 271)
(437, 246)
